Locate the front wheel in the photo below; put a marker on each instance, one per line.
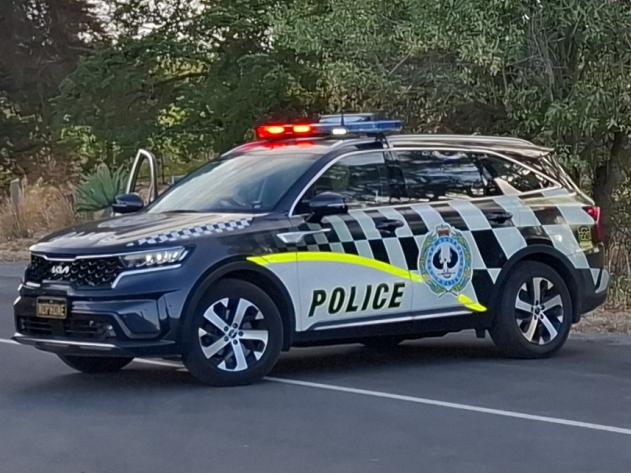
(534, 314)
(234, 337)
(95, 364)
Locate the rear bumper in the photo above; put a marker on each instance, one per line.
(91, 348)
(593, 291)
(598, 295)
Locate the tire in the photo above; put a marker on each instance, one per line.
(531, 322)
(235, 335)
(95, 364)
(382, 343)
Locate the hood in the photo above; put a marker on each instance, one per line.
(139, 231)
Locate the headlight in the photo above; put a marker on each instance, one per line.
(153, 258)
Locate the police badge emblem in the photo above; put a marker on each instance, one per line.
(445, 260)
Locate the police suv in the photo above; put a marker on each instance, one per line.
(336, 231)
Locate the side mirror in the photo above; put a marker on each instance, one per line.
(127, 203)
(327, 203)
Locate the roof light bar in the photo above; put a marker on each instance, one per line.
(336, 125)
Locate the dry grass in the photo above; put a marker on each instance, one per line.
(42, 209)
(605, 321)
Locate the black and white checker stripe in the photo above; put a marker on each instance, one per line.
(555, 218)
(188, 233)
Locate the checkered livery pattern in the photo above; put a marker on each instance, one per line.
(495, 228)
(183, 234)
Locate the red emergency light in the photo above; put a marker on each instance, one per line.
(277, 131)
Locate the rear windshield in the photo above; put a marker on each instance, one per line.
(253, 182)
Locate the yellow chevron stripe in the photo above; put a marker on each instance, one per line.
(346, 258)
(471, 304)
(332, 257)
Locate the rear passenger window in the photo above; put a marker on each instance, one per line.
(511, 178)
(438, 175)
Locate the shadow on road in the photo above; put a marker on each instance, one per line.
(360, 359)
(303, 363)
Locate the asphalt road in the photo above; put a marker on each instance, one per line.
(442, 405)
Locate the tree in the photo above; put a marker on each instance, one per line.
(42, 42)
(555, 72)
(185, 81)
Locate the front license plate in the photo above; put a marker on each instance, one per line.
(51, 308)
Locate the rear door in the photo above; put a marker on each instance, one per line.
(468, 236)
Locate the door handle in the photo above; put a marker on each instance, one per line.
(389, 225)
(499, 217)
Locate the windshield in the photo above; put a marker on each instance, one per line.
(248, 183)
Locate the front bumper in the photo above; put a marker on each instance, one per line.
(90, 348)
(139, 317)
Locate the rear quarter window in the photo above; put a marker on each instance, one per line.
(507, 177)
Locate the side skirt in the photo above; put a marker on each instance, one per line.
(412, 325)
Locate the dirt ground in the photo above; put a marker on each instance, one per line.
(15, 250)
(606, 320)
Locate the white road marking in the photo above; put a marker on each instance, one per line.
(413, 399)
(169, 364)
(454, 405)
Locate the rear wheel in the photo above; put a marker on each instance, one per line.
(535, 312)
(235, 336)
(95, 364)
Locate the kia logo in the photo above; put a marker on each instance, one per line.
(60, 270)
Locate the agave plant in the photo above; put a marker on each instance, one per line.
(97, 190)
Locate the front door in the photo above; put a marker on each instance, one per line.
(143, 178)
(352, 267)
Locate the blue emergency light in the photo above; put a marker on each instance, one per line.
(336, 125)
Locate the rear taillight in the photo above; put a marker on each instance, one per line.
(594, 212)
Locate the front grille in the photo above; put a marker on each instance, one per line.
(90, 272)
(79, 328)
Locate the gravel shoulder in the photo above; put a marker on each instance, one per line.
(15, 250)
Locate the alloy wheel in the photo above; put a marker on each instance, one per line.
(233, 334)
(539, 310)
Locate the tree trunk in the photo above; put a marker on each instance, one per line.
(109, 154)
(607, 177)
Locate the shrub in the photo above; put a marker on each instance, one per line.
(97, 190)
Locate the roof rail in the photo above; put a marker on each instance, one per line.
(473, 142)
(471, 138)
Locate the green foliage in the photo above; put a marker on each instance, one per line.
(189, 80)
(42, 42)
(97, 190)
(190, 85)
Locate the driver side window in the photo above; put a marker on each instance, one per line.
(362, 179)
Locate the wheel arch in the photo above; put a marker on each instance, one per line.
(546, 254)
(254, 274)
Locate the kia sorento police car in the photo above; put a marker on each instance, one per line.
(318, 233)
